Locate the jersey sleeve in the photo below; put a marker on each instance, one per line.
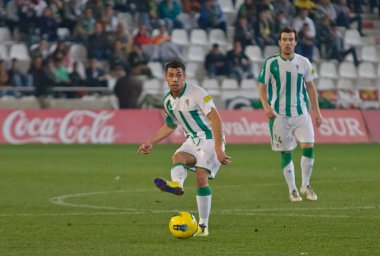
(264, 75)
(310, 74)
(204, 101)
(169, 115)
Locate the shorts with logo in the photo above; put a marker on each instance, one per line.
(204, 152)
(286, 131)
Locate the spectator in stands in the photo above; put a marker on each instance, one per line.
(138, 61)
(238, 63)
(98, 43)
(286, 7)
(143, 36)
(73, 10)
(75, 76)
(97, 7)
(248, 9)
(85, 26)
(109, 19)
(40, 49)
(123, 36)
(4, 77)
(128, 90)
(118, 56)
(280, 22)
(43, 80)
(264, 30)
(215, 62)
(62, 52)
(211, 16)
(47, 25)
(345, 18)
(326, 8)
(191, 6)
(95, 76)
(62, 77)
(11, 15)
(244, 32)
(330, 42)
(16, 76)
(168, 10)
(306, 31)
(163, 49)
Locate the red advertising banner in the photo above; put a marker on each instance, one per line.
(136, 126)
(342, 126)
(372, 119)
(77, 126)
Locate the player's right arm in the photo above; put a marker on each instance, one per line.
(161, 134)
(269, 112)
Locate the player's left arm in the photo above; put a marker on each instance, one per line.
(313, 96)
(216, 124)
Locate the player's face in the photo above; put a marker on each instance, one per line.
(287, 44)
(176, 80)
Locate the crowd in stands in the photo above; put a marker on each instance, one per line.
(125, 35)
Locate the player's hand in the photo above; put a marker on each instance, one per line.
(270, 113)
(145, 148)
(318, 119)
(223, 158)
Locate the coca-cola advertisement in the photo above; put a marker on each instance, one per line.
(77, 126)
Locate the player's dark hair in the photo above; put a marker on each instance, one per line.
(287, 30)
(175, 64)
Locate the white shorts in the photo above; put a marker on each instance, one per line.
(204, 152)
(286, 131)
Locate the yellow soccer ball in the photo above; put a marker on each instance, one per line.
(183, 225)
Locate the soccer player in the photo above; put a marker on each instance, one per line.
(285, 88)
(193, 109)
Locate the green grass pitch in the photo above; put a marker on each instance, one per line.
(101, 200)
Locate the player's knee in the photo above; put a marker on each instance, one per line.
(201, 178)
(178, 158)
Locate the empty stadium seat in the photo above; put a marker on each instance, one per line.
(5, 34)
(179, 36)
(367, 70)
(78, 52)
(325, 84)
(229, 84)
(193, 69)
(156, 68)
(271, 50)
(345, 83)
(347, 70)
(369, 53)
(153, 86)
(199, 36)
(352, 38)
(249, 84)
(196, 53)
(328, 69)
(212, 86)
(254, 53)
(4, 55)
(19, 51)
(217, 36)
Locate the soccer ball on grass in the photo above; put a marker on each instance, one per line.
(183, 225)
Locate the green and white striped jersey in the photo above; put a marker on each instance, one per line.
(190, 111)
(285, 81)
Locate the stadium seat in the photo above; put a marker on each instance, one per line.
(212, 86)
(156, 68)
(153, 86)
(347, 70)
(345, 83)
(238, 3)
(369, 53)
(217, 36)
(328, 69)
(179, 36)
(325, 84)
(78, 52)
(254, 53)
(352, 38)
(199, 36)
(249, 84)
(196, 53)
(127, 20)
(270, 50)
(227, 5)
(229, 84)
(63, 33)
(19, 51)
(187, 20)
(5, 34)
(365, 83)
(367, 70)
(4, 55)
(193, 69)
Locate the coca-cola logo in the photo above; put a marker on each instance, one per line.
(78, 126)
